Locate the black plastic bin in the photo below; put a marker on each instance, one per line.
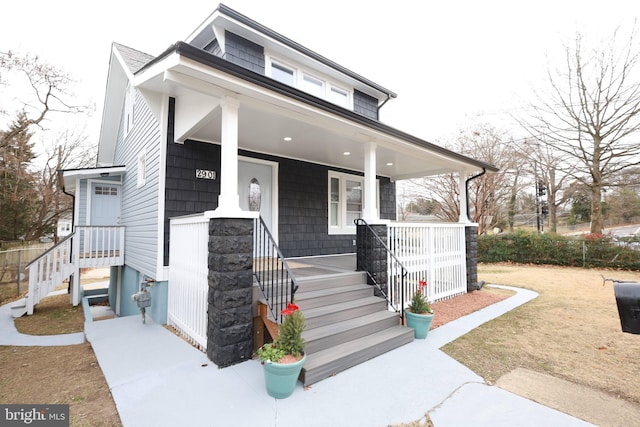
(628, 299)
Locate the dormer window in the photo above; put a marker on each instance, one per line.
(283, 74)
(338, 96)
(312, 84)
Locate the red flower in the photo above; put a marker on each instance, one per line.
(423, 286)
(290, 309)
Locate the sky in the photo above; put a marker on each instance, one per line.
(452, 63)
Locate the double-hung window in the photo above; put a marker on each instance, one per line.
(346, 199)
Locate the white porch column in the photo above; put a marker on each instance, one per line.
(229, 201)
(369, 210)
(462, 191)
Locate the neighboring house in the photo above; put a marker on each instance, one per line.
(238, 119)
(64, 227)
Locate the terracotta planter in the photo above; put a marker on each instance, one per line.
(421, 323)
(281, 378)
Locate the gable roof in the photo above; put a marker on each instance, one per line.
(271, 37)
(133, 59)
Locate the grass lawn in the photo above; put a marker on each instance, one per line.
(571, 331)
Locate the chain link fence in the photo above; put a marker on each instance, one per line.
(14, 279)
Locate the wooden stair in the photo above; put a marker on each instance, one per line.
(346, 324)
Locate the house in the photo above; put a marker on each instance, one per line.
(234, 121)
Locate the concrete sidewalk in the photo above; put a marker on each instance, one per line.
(9, 335)
(157, 379)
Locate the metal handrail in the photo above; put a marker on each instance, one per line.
(402, 270)
(270, 269)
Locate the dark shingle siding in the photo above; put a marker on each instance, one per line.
(244, 53)
(184, 193)
(303, 217)
(365, 105)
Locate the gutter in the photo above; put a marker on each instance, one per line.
(466, 189)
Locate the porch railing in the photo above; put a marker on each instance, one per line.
(435, 253)
(188, 283)
(270, 269)
(48, 271)
(99, 245)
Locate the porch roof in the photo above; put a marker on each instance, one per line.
(68, 177)
(321, 131)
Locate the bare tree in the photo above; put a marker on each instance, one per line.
(590, 113)
(66, 151)
(49, 91)
(549, 169)
(488, 193)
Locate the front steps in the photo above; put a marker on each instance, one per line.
(346, 324)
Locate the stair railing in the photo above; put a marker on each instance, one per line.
(277, 283)
(396, 271)
(48, 271)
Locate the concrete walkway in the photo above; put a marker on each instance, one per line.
(9, 335)
(157, 379)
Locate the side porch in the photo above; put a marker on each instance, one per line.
(85, 247)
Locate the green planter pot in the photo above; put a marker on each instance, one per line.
(421, 323)
(281, 378)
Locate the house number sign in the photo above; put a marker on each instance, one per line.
(205, 174)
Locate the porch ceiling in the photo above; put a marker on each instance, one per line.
(263, 130)
(320, 132)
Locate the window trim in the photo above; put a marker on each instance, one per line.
(129, 109)
(142, 169)
(342, 227)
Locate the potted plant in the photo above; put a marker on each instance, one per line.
(283, 358)
(419, 314)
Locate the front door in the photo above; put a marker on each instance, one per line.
(256, 191)
(105, 204)
(105, 210)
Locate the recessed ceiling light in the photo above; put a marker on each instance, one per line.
(288, 139)
(347, 153)
(389, 164)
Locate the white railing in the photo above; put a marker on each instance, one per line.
(99, 245)
(435, 253)
(188, 271)
(48, 271)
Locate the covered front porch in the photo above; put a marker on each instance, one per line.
(229, 274)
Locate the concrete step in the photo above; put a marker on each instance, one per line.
(19, 308)
(97, 298)
(329, 296)
(87, 292)
(324, 337)
(326, 315)
(323, 364)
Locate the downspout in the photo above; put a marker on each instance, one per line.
(382, 105)
(73, 211)
(73, 197)
(466, 189)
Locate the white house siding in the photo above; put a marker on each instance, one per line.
(82, 206)
(140, 205)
